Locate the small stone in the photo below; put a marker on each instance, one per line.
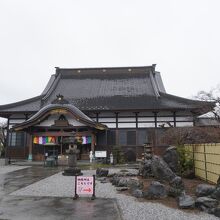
(216, 212)
(204, 190)
(174, 192)
(206, 202)
(177, 183)
(137, 193)
(186, 202)
(122, 182)
(121, 188)
(115, 180)
(100, 172)
(216, 193)
(135, 184)
(156, 190)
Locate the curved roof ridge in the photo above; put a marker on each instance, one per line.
(69, 107)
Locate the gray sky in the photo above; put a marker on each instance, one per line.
(181, 36)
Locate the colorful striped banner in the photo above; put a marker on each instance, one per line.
(44, 140)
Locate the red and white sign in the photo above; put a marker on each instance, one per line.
(84, 185)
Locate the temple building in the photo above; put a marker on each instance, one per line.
(101, 108)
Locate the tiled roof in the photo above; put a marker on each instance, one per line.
(126, 88)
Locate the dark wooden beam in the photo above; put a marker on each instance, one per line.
(155, 119)
(174, 119)
(116, 119)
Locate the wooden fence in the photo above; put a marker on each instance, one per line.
(206, 160)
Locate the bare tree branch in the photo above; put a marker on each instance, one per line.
(212, 96)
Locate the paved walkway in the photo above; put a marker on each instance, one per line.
(46, 208)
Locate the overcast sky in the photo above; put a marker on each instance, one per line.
(181, 36)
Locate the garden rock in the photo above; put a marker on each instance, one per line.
(137, 193)
(100, 172)
(114, 180)
(145, 169)
(161, 170)
(123, 182)
(171, 158)
(174, 192)
(216, 193)
(156, 190)
(135, 184)
(216, 212)
(206, 203)
(102, 179)
(177, 183)
(176, 187)
(186, 202)
(204, 190)
(121, 188)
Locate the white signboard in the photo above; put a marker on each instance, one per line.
(84, 185)
(100, 153)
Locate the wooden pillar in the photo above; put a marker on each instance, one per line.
(136, 119)
(116, 131)
(93, 142)
(30, 146)
(174, 119)
(97, 116)
(61, 145)
(116, 119)
(155, 119)
(7, 138)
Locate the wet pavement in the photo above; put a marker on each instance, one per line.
(46, 208)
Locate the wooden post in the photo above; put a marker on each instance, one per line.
(30, 156)
(93, 142)
(155, 119)
(174, 119)
(193, 152)
(205, 163)
(61, 145)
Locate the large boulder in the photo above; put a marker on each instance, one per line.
(186, 202)
(171, 158)
(206, 203)
(204, 190)
(145, 169)
(100, 172)
(156, 190)
(161, 170)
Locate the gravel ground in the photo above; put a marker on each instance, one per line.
(11, 168)
(63, 186)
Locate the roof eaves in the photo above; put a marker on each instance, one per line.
(15, 104)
